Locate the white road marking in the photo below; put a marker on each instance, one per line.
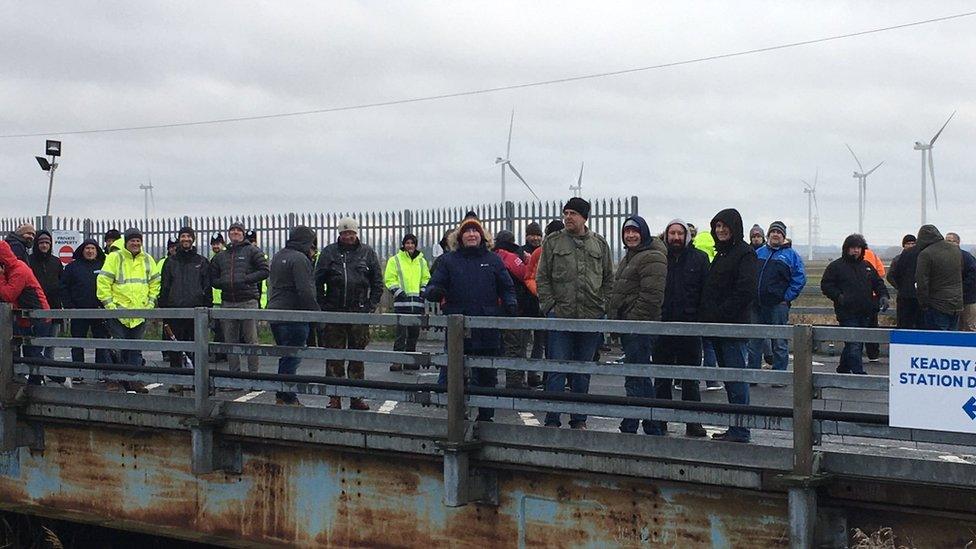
(248, 396)
(815, 363)
(152, 386)
(528, 418)
(387, 407)
(953, 459)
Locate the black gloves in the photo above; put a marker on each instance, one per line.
(883, 303)
(434, 293)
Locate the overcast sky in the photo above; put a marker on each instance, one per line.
(687, 140)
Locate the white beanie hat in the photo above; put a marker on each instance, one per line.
(348, 224)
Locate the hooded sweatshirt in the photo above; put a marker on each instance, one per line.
(185, 280)
(687, 271)
(938, 274)
(292, 284)
(638, 290)
(78, 281)
(852, 283)
(18, 285)
(731, 284)
(47, 268)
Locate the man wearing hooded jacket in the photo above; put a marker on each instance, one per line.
(852, 284)
(48, 268)
(726, 298)
(638, 294)
(78, 284)
(938, 280)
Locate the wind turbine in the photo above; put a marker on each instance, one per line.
(811, 192)
(862, 189)
(919, 146)
(505, 162)
(147, 195)
(578, 188)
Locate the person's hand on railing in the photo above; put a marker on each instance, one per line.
(883, 303)
(434, 293)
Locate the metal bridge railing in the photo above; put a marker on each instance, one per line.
(808, 418)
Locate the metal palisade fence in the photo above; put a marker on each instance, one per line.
(382, 230)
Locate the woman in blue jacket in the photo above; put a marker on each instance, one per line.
(473, 281)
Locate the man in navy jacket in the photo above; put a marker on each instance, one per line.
(78, 292)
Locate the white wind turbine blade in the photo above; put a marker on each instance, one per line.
(874, 168)
(816, 178)
(935, 192)
(942, 128)
(152, 197)
(508, 147)
(518, 175)
(579, 181)
(859, 166)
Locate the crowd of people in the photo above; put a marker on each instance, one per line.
(564, 271)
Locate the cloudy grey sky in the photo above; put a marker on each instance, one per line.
(687, 140)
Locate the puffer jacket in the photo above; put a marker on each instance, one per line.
(515, 260)
(938, 274)
(18, 285)
(79, 278)
(575, 275)
(731, 284)
(852, 283)
(687, 272)
(47, 268)
(18, 245)
(781, 275)
(348, 278)
(238, 271)
(638, 288)
(292, 282)
(186, 280)
(474, 282)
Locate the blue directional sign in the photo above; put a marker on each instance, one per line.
(932, 380)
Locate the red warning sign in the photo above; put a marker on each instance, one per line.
(66, 254)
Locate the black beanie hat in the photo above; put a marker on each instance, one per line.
(112, 234)
(237, 225)
(186, 230)
(170, 243)
(504, 236)
(554, 226)
(908, 238)
(533, 229)
(217, 237)
(777, 226)
(406, 237)
(131, 233)
(251, 236)
(579, 206)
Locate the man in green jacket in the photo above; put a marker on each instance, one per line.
(405, 277)
(938, 280)
(574, 280)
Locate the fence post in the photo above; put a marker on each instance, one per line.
(456, 461)
(803, 491)
(509, 215)
(8, 411)
(292, 221)
(87, 229)
(633, 205)
(202, 426)
(408, 222)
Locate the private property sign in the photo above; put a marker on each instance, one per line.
(64, 244)
(932, 381)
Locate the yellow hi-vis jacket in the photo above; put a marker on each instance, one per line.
(406, 278)
(128, 282)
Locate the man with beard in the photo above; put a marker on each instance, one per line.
(185, 284)
(726, 298)
(687, 271)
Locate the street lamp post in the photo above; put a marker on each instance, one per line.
(52, 149)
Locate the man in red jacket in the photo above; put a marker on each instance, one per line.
(20, 288)
(514, 341)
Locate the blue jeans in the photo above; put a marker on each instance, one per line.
(937, 320)
(289, 334)
(778, 314)
(132, 357)
(637, 350)
(730, 354)
(581, 346)
(850, 357)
